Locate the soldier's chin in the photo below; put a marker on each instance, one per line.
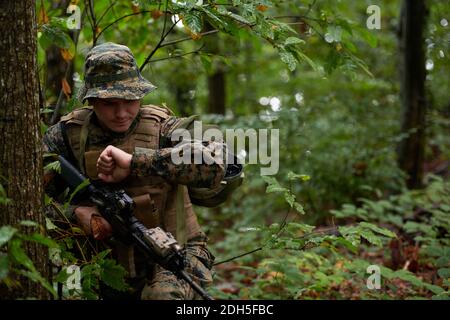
(120, 128)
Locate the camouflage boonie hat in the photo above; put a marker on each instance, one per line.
(110, 71)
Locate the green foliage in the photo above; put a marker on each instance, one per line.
(14, 259)
(3, 196)
(332, 263)
(96, 265)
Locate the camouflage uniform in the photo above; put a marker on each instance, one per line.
(111, 72)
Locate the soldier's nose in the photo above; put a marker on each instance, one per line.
(121, 112)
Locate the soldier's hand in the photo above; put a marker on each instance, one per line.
(93, 223)
(113, 165)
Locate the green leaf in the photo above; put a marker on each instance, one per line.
(383, 231)
(360, 63)
(289, 197)
(442, 262)
(214, 19)
(284, 27)
(35, 276)
(53, 35)
(6, 233)
(288, 58)
(113, 275)
(299, 208)
(370, 38)
(102, 255)
(53, 166)
(347, 244)
(371, 237)
(444, 273)
(273, 185)
(3, 198)
(28, 223)
(62, 276)
(54, 255)
(89, 280)
(193, 21)
(304, 57)
(60, 23)
(293, 176)
(238, 18)
(333, 34)
(305, 228)
(80, 187)
(49, 225)
(206, 61)
(293, 41)
(264, 29)
(18, 254)
(39, 238)
(433, 288)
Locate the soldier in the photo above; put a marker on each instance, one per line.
(127, 145)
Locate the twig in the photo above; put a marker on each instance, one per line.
(178, 55)
(169, 43)
(304, 17)
(94, 23)
(106, 11)
(121, 18)
(147, 60)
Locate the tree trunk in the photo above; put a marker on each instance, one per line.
(217, 79)
(216, 95)
(411, 150)
(20, 141)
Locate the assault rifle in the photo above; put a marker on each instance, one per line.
(117, 208)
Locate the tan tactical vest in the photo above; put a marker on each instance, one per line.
(156, 199)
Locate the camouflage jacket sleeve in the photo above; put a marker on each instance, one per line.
(191, 162)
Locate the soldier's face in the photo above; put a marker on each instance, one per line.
(116, 114)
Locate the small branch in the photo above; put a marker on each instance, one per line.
(147, 60)
(86, 5)
(165, 20)
(310, 6)
(304, 17)
(94, 23)
(178, 55)
(106, 11)
(121, 18)
(169, 43)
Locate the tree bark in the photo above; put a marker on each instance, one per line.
(217, 79)
(216, 93)
(411, 150)
(20, 141)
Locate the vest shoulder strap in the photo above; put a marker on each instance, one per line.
(77, 116)
(155, 112)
